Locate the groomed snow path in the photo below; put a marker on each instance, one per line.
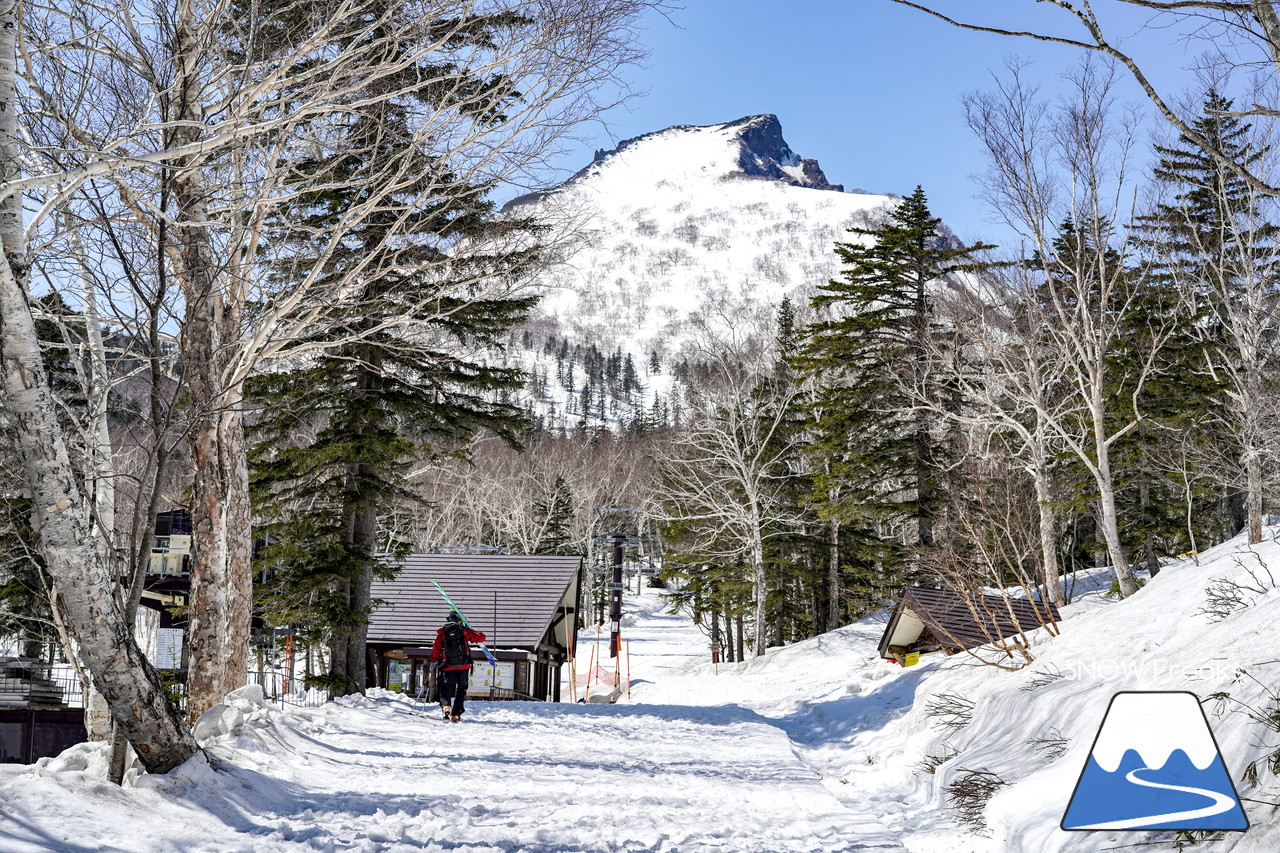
(379, 774)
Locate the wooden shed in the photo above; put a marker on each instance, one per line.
(527, 607)
(928, 620)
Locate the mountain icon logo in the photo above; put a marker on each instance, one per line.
(1155, 765)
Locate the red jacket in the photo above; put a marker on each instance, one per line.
(437, 650)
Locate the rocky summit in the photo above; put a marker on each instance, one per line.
(755, 144)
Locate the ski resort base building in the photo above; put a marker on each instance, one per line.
(526, 606)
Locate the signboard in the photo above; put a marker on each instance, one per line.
(911, 659)
(503, 676)
(168, 648)
(397, 676)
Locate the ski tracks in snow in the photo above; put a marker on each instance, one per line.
(589, 778)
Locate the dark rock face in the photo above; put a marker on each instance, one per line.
(765, 152)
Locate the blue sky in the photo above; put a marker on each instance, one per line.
(869, 88)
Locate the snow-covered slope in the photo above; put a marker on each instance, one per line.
(689, 219)
(871, 729)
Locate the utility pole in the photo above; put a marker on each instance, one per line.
(615, 595)
(620, 527)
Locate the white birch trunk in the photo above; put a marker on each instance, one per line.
(118, 669)
(1251, 418)
(1253, 496)
(101, 477)
(1048, 517)
(1048, 538)
(762, 590)
(833, 574)
(221, 579)
(1107, 502)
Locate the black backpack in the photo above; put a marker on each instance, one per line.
(456, 650)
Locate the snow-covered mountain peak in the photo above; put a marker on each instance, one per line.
(751, 147)
(676, 229)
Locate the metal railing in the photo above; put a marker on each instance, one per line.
(40, 685)
(274, 683)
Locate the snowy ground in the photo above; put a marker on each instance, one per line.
(379, 774)
(814, 747)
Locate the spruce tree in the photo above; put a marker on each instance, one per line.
(337, 429)
(796, 559)
(877, 457)
(1212, 241)
(555, 513)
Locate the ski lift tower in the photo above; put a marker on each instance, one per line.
(620, 526)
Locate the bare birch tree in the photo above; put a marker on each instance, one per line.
(61, 518)
(1060, 180)
(1014, 389)
(193, 114)
(727, 468)
(1214, 235)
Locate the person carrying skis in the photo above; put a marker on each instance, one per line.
(452, 653)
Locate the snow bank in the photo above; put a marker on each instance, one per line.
(872, 729)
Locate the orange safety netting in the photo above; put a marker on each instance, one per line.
(596, 674)
(601, 675)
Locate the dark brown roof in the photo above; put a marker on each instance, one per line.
(526, 589)
(957, 621)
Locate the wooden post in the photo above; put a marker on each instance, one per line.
(288, 661)
(615, 597)
(573, 668)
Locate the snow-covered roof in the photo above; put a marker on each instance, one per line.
(513, 599)
(955, 622)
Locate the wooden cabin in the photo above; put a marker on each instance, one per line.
(526, 606)
(929, 620)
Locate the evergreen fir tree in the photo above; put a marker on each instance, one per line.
(877, 458)
(1212, 240)
(795, 559)
(555, 512)
(394, 390)
(630, 378)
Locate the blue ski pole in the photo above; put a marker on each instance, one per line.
(449, 601)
